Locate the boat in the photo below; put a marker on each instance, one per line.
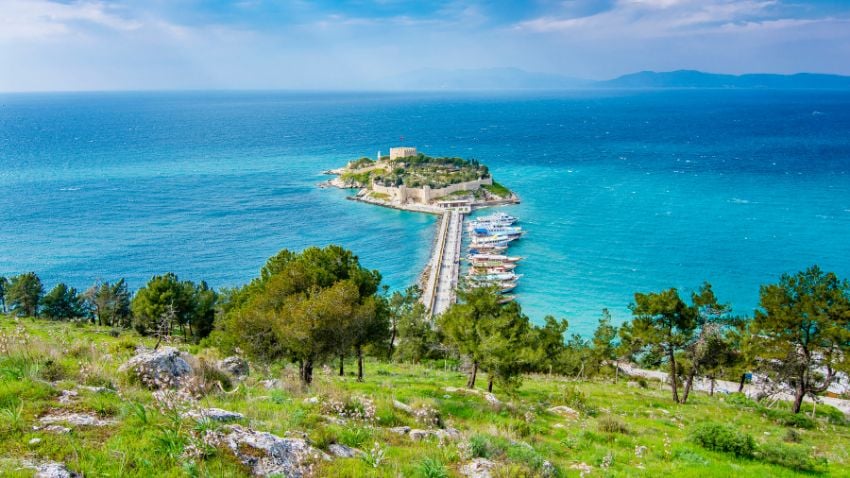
(484, 249)
(505, 276)
(474, 257)
(491, 240)
(507, 298)
(498, 217)
(494, 265)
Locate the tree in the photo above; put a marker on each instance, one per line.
(464, 324)
(110, 303)
(4, 283)
(202, 318)
(804, 325)
(161, 294)
(604, 348)
(505, 342)
(307, 307)
(400, 306)
(663, 322)
(62, 302)
(547, 344)
(416, 335)
(708, 349)
(24, 294)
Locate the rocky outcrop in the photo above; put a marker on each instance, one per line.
(268, 454)
(51, 469)
(235, 366)
(158, 369)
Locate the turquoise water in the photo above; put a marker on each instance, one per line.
(622, 192)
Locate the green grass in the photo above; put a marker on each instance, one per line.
(497, 189)
(621, 431)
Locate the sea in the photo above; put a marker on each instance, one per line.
(622, 191)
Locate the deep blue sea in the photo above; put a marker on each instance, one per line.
(621, 191)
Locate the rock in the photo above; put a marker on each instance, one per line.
(163, 368)
(547, 469)
(215, 414)
(268, 454)
(565, 412)
(342, 451)
(312, 400)
(35, 441)
(67, 396)
(235, 366)
(51, 469)
(54, 429)
(447, 434)
(400, 430)
(477, 468)
(95, 389)
(270, 384)
(491, 399)
(75, 419)
(402, 406)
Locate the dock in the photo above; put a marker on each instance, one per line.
(439, 292)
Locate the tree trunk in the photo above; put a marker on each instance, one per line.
(741, 384)
(307, 372)
(799, 394)
(470, 382)
(688, 384)
(490, 383)
(359, 364)
(616, 371)
(392, 343)
(711, 392)
(674, 384)
(341, 365)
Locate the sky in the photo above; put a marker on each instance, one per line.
(68, 45)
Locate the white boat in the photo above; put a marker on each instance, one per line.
(505, 276)
(495, 240)
(493, 257)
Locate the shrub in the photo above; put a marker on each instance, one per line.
(574, 398)
(792, 436)
(723, 438)
(482, 446)
(740, 399)
(832, 414)
(795, 457)
(355, 436)
(610, 424)
(432, 468)
(788, 419)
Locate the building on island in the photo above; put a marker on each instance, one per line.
(402, 152)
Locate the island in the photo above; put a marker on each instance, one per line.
(411, 180)
(450, 187)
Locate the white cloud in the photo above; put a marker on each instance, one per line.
(42, 19)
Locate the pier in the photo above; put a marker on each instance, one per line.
(439, 293)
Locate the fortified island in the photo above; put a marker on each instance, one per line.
(452, 188)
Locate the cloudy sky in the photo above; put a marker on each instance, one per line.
(175, 44)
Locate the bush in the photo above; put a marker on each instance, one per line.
(610, 424)
(788, 419)
(832, 414)
(717, 437)
(792, 436)
(432, 468)
(481, 446)
(795, 457)
(740, 399)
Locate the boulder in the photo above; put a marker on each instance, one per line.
(214, 414)
(477, 468)
(400, 430)
(268, 454)
(158, 369)
(342, 451)
(441, 434)
(235, 366)
(402, 406)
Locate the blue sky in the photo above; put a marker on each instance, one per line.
(174, 44)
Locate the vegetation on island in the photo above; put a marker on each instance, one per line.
(417, 171)
(334, 356)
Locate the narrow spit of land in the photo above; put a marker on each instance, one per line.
(445, 264)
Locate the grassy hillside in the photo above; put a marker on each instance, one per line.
(625, 429)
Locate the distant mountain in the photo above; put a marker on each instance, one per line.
(483, 79)
(699, 79)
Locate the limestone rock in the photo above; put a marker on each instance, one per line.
(447, 434)
(74, 419)
(51, 469)
(402, 406)
(342, 451)
(215, 414)
(268, 454)
(163, 368)
(67, 396)
(400, 430)
(235, 366)
(565, 412)
(477, 468)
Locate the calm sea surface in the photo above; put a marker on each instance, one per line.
(622, 192)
